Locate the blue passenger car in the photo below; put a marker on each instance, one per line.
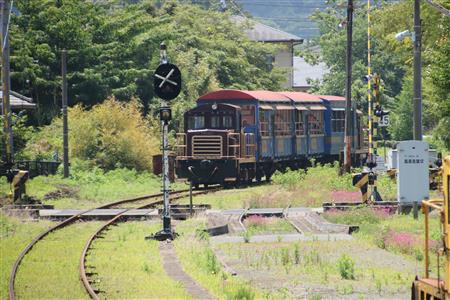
(235, 136)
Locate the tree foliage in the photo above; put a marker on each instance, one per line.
(113, 51)
(393, 61)
(101, 135)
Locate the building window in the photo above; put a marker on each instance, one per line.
(337, 120)
(315, 122)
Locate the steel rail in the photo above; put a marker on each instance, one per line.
(68, 221)
(83, 274)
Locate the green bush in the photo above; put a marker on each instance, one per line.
(110, 135)
(21, 133)
(357, 216)
(212, 265)
(241, 292)
(326, 175)
(288, 179)
(346, 267)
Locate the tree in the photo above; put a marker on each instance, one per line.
(393, 61)
(113, 51)
(332, 42)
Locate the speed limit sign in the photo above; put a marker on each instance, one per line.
(384, 121)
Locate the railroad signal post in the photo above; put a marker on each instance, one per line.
(64, 113)
(167, 86)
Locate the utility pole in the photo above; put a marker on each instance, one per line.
(417, 72)
(6, 108)
(64, 113)
(348, 92)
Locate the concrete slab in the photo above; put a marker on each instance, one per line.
(233, 211)
(265, 211)
(281, 238)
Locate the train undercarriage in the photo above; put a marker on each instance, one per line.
(236, 171)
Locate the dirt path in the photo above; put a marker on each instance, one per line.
(174, 269)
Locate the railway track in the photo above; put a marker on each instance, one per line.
(176, 195)
(84, 275)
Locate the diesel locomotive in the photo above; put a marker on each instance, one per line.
(235, 136)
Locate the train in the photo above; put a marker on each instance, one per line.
(236, 136)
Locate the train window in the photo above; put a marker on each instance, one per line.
(263, 123)
(196, 122)
(283, 119)
(299, 124)
(248, 115)
(315, 122)
(215, 122)
(338, 120)
(227, 121)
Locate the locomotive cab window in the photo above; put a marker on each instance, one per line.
(196, 122)
(227, 122)
(215, 122)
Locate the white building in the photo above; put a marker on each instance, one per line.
(284, 58)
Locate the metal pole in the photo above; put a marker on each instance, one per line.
(191, 212)
(166, 182)
(383, 129)
(417, 72)
(64, 113)
(6, 107)
(348, 92)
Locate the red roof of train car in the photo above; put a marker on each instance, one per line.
(331, 98)
(301, 97)
(244, 95)
(228, 94)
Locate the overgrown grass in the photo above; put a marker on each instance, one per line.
(322, 183)
(310, 188)
(232, 198)
(14, 236)
(129, 266)
(50, 270)
(396, 233)
(322, 265)
(199, 261)
(257, 224)
(89, 186)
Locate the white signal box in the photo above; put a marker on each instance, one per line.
(412, 173)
